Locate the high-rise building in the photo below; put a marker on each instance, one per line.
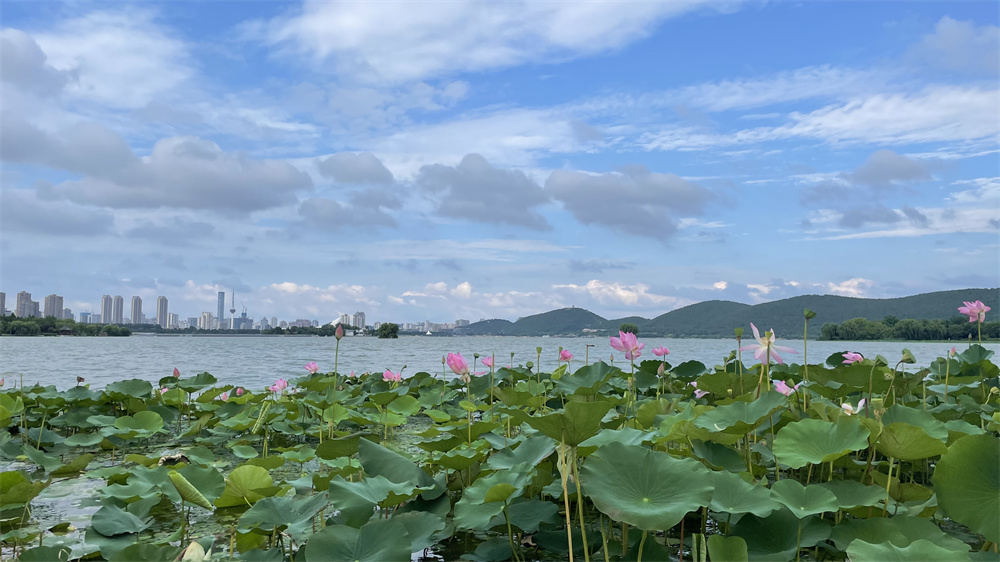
(53, 306)
(67, 314)
(274, 321)
(86, 317)
(136, 310)
(161, 311)
(106, 306)
(206, 322)
(118, 310)
(23, 307)
(36, 312)
(344, 319)
(3, 303)
(359, 320)
(173, 321)
(221, 309)
(192, 322)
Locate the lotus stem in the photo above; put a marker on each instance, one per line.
(510, 533)
(888, 482)
(642, 543)
(579, 504)
(569, 527)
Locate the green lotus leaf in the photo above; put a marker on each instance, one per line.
(197, 382)
(733, 494)
(923, 550)
(109, 546)
(292, 513)
(300, 454)
(244, 451)
(485, 498)
(45, 554)
(111, 520)
(689, 369)
(245, 485)
(728, 549)
(644, 488)
(625, 436)
(813, 441)
(84, 439)
(379, 461)
(575, 423)
(975, 353)
(381, 540)
(134, 388)
(851, 493)
(462, 457)
(803, 501)
(146, 552)
(425, 528)
(919, 418)
(529, 515)
(718, 456)
(44, 462)
(775, 537)
(903, 441)
(10, 407)
(967, 483)
(16, 489)
(188, 492)
(145, 423)
(586, 381)
(741, 417)
(336, 448)
(74, 467)
(900, 531)
(437, 416)
(357, 500)
(405, 405)
(269, 462)
(532, 451)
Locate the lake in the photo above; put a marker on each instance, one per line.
(256, 361)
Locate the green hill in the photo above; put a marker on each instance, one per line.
(719, 318)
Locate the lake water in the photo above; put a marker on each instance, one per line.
(256, 361)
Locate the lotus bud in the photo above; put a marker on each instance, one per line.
(952, 353)
(661, 369)
(738, 332)
(339, 333)
(177, 373)
(995, 390)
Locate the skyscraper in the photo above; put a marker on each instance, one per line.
(161, 311)
(23, 309)
(221, 310)
(118, 310)
(53, 306)
(106, 312)
(136, 310)
(3, 303)
(359, 320)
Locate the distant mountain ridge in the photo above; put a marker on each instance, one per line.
(718, 318)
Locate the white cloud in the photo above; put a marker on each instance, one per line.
(933, 221)
(621, 294)
(983, 190)
(119, 59)
(413, 41)
(720, 285)
(961, 46)
(855, 287)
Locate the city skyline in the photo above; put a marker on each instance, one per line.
(453, 160)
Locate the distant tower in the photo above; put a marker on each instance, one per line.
(136, 310)
(106, 309)
(232, 311)
(161, 312)
(118, 310)
(221, 312)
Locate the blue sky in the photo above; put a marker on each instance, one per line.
(434, 161)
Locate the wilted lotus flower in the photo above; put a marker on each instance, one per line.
(565, 355)
(851, 410)
(851, 357)
(312, 367)
(698, 393)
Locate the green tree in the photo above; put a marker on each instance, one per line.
(890, 321)
(388, 330)
(829, 332)
(629, 328)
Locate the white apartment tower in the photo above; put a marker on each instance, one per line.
(359, 320)
(136, 310)
(23, 307)
(106, 306)
(118, 310)
(53, 306)
(161, 311)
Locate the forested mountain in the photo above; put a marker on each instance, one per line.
(719, 318)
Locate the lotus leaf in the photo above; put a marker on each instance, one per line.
(292, 513)
(851, 493)
(586, 381)
(44, 462)
(812, 441)
(740, 416)
(134, 388)
(187, 491)
(379, 461)
(111, 520)
(733, 494)
(689, 369)
(967, 482)
(908, 442)
(900, 531)
(529, 515)
(16, 489)
(425, 528)
(381, 540)
(486, 497)
(576, 423)
(244, 451)
(644, 488)
(76, 466)
(803, 501)
(245, 485)
(727, 549)
(718, 456)
(142, 423)
(923, 550)
(84, 439)
(45, 554)
(776, 537)
(532, 451)
(357, 500)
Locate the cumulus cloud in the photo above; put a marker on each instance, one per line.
(25, 66)
(885, 168)
(598, 265)
(180, 172)
(23, 212)
(633, 200)
(620, 294)
(351, 168)
(173, 231)
(477, 191)
(856, 287)
(364, 209)
(978, 190)
(960, 46)
(414, 41)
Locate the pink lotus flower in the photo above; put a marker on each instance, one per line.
(239, 391)
(565, 355)
(164, 390)
(352, 375)
(488, 361)
(765, 346)
(458, 364)
(224, 396)
(278, 386)
(851, 357)
(660, 351)
(312, 367)
(627, 342)
(1, 382)
(177, 373)
(782, 387)
(976, 311)
(953, 352)
(389, 376)
(851, 410)
(698, 393)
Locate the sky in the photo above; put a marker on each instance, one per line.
(444, 160)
